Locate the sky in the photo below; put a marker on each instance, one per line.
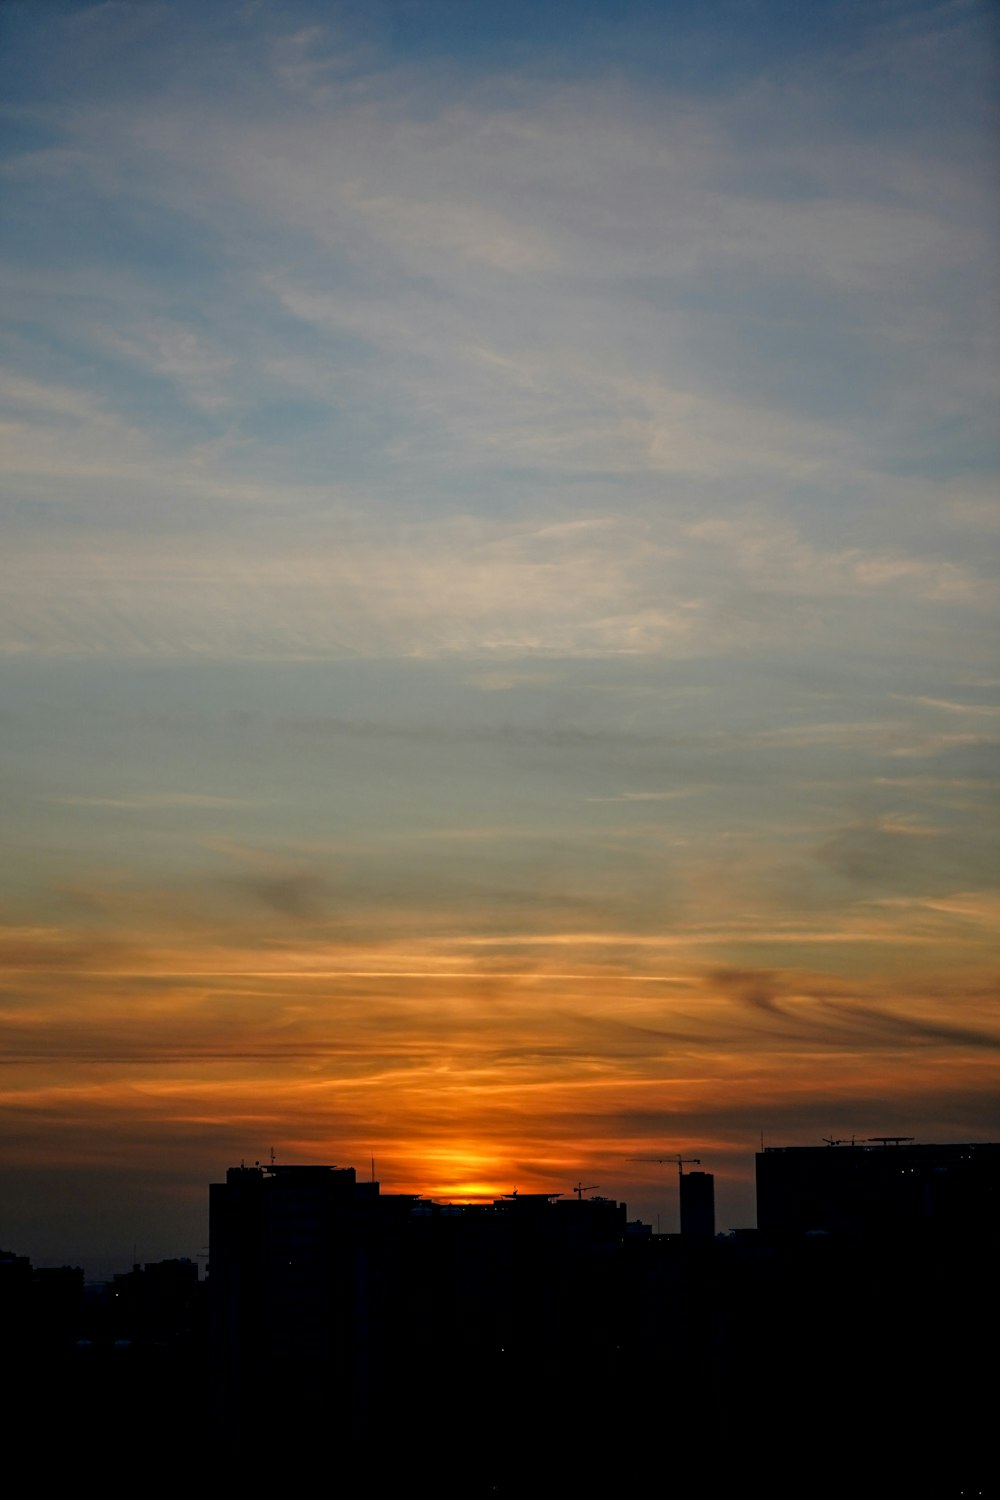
(498, 597)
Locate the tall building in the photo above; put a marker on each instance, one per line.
(875, 1299)
(697, 1195)
(291, 1267)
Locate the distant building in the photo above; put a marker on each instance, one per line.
(157, 1301)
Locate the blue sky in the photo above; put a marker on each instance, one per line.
(499, 592)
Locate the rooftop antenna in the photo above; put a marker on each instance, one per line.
(373, 1169)
(272, 1156)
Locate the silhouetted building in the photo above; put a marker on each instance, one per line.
(292, 1256)
(158, 1301)
(365, 1313)
(697, 1194)
(873, 1289)
(887, 1187)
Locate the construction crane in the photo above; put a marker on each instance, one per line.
(682, 1161)
(579, 1190)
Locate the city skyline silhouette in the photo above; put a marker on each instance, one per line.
(836, 1345)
